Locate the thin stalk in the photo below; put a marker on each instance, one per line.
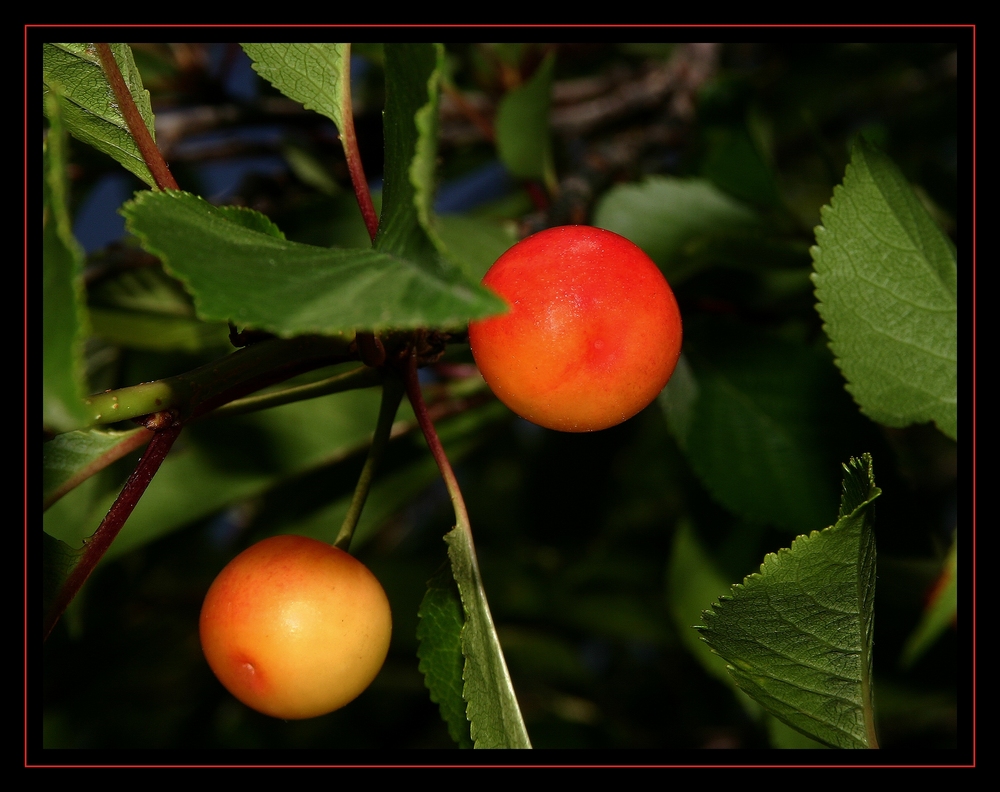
(361, 377)
(136, 126)
(434, 442)
(369, 347)
(97, 545)
(350, 143)
(392, 395)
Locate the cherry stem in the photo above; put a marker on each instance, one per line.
(369, 347)
(361, 377)
(133, 118)
(350, 143)
(434, 442)
(97, 545)
(392, 395)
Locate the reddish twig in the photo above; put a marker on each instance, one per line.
(433, 441)
(369, 347)
(350, 143)
(97, 545)
(136, 126)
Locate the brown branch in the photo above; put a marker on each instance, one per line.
(136, 125)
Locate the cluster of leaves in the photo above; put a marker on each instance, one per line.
(575, 534)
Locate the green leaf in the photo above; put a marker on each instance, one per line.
(940, 613)
(317, 75)
(72, 457)
(669, 218)
(73, 72)
(798, 635)
(523, 127)
(440, 652)
(407, 225)
(692, 580)
(886, 282)
(64, 315)
(757, 417)
(244, 272)
(494, 716)
(412, 77)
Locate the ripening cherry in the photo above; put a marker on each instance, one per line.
(295, 628)
(592, 335)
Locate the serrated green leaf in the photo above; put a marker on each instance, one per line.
(522, 125)
(886, 285)
(317, 75)
(798, 634)
(64, 318)
(92, 115)
(940, 612)
(693, 580)
(240, 273)
(755, 416)
(494, 716)
(412, 75)
(407, 224)
(666, 216)
(440, 652)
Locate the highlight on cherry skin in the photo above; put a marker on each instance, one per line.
(593, 333)
(295, 628)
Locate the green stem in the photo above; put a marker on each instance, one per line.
(361, 377)
(392, 395)
(244, 371)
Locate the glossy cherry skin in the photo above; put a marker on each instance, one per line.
(592, 335)
(295, 628)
